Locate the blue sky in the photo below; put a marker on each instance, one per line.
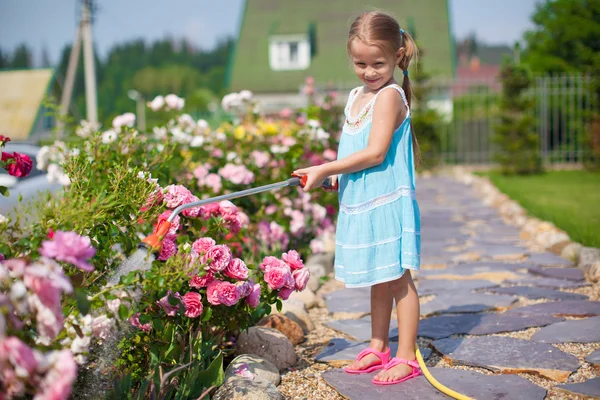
(52, 23)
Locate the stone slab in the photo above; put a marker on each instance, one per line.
(548, 259)
(589, 388)
(360, 329)
(565, 308)
(480, 324)
(509, 355)
(548, 282)
(537, 293)
(594, 358)
(469, 383)
(349, 300)
(499, 251)
(458, 302)
(467, 273)
(439, 286)
(573, 331)
(339, 352)
(570, 274)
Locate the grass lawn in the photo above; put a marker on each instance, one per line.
(569, 199)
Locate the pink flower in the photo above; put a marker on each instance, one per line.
(19, 355)
(261, 158)
(233, 222)
(153, 199)
(237, 174)
(271, 209)
(201, 172)
(245, 288)
(135, 321)
(244, 372)
(199, 282)
(201, 246)
(70, 248)
(193, 304)
(288, 141)
(301, 120)
(330, 154)
(277, 277)
(317, 246)
(237, 269)
(301, 277)
(244, 220)
(309, 80)
(193, 212)
(101, 326)
(254, 297)
(297, 223)
(218, 257)
(227, 207)
(293, 259)
(217, 153)
(20, 166)
(213, 181)
(59, 379)
(271, 262)
(211, 209)
(176, 195)
(167, 307)
(175, 224)
(211, 292)
(168, 249)
(285, 113)
(228, 293)
(285, 293)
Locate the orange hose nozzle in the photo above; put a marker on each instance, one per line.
(155, 239)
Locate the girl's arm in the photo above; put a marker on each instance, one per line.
(382, 129)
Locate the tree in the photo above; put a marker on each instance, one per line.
(566, 39)
(21, 58)
(515, 136)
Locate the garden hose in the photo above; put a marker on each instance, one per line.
(434, 382)
(154, 242)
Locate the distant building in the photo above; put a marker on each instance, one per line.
(22, 114)
(282, 42)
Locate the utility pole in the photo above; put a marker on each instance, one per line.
(83, 33)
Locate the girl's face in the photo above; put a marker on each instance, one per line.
(372, 65)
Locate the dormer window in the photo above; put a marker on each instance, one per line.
(289, 52)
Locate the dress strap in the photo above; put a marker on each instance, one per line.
(399, 90)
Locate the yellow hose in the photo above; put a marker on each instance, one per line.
(434, 382)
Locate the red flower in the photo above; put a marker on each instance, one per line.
(50, 233)
(20, 166)
(4, 140)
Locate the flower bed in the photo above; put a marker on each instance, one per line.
(220, 269)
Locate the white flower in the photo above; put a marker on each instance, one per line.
(186, 121)
(245, 95)
(202, 125)
(17, 291)
(160, 132)
(321, 134)
(232, 155)
(42, 158)
(197, 141)
(56, 174)
(101, 326)
(180, 136)
(87, 128)
(313, 123)
(174, 102)
(113, 306)
(3, 219)
(157, 103)
(109, 136)
(232, 100)
(127, 119)
(279, 149)
(64, 180)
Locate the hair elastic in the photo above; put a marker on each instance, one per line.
(405, 72)
(402, 31)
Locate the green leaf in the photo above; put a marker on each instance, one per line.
(207, 314)
(212, 376)
(83, 304)
(4, 191)
(123, 312)
(279, 305)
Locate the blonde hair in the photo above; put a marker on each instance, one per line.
(381, 30)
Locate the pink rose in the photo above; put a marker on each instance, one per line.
(199, 282)
(330, 154)
(168, 249)
(270, 262)
(135, 321)
(227, 207)
(211, 292)
(271, 209)
(237, 174)
(211, 209)
(317, 246)
(192, 212)
(153, 199)
(292, 258)
(277, 277)
(233, 222)
(301, 277)
(237, 269)
(301, 120)
(245, 288)
(176, 195)
(19, 355)
(228, 293)
(254, 297)
(285, 113)
(213, 181)
(217, 153)
(167, 307)
(288, 141)
(175, 224)
(244, 219)
(285, 293)
(20, 166)
(202, 245)
(218, 257)
(70, 248)
(193, 304)
(59, 379)
(200, 172)
(261, 158)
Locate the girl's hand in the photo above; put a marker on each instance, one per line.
(315, 176)
(333, 187)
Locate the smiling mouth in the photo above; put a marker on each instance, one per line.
(372, 80)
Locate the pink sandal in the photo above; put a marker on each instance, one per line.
(384, 359)
(416, 371)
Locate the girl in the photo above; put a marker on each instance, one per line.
(378, 238)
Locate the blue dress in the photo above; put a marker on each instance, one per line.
(378, 229)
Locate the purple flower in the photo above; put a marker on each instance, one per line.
(169, 309)
(70, 248)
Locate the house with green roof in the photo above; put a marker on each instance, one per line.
(282, 42)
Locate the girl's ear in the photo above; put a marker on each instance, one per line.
(400, 54)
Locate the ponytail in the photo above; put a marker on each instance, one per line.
(410, 52)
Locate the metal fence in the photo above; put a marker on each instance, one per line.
(469, 111)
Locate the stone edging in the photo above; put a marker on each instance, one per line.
(542, 233)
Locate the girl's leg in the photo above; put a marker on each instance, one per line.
(381, 313)
(407, 307)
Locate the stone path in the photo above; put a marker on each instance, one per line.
(498, 320)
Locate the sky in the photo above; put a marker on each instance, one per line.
(51, 24)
